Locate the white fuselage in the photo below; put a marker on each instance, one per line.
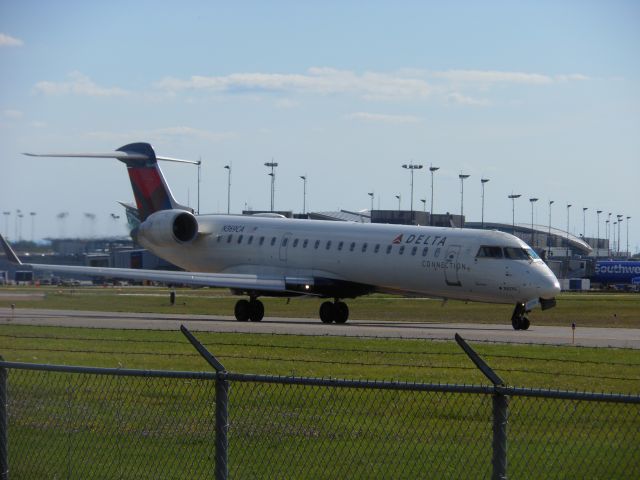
(432, 261)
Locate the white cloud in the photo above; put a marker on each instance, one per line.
(326, 81)
(9, 41)
(460, 99)
(161, 134)
(78, 84)
(492, 76)
(286, 103)
(13, 114)
(384, 118)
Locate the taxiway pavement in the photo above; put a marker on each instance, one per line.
(584, 336)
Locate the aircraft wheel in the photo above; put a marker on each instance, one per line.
(342, 312)
(516, 323)
(256, 310)
(327, 312)
(524, 325)
(242, 310)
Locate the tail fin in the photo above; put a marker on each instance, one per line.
(149, 186)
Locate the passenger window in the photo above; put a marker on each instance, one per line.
(340, 245)
(295, 243)
(401, 251)
(273, 241)
(229, 238)
(414, 250)
(364, 247)
(285, 241)
(305, 243)
(489, 252)
(388, 249)
(437, 253)
(261, 240)
(425, 250)
(239, 239)
(317, 244)
(250, 241)
(219, 238)
(376, 249)
(352, 246)
(328, 246)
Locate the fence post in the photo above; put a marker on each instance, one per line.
(4, 434)
(222, 406)
(500, 412)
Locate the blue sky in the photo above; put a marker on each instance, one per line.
(541, 97)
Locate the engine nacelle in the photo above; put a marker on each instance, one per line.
(168, 227)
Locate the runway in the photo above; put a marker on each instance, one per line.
(590, 337)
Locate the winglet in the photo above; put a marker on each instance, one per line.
(8, 251)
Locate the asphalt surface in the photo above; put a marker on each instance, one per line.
(592, 337)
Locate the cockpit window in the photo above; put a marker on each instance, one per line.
(489, 252)
(514, 253)
(532, 254)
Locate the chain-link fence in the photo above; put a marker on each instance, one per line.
(78, 422)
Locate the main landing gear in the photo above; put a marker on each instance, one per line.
(518, 319)
(251, 309)
(334, 312)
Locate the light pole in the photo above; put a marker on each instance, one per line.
(33, 216)
(513, 212)
(533, 238)
(482, 182)
(608, 234)
(371, 194)
(551, 202)
(424, 204)
(18, 213)
(568, 207)
(199, 163)
(412, 167)
(620, 217)
(228, 168)
(584, 222)
(432, 169)
(398, 197)
(21, 216)
(304, 193)
(628, 252)
(272, 165)
(6, 223)
(598, 212)
(462, 177)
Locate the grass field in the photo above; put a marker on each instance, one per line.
(584, 309)
(142, 428)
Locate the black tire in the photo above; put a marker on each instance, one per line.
(242, 310)
(327, 312)
(525, 323)
(342, 312)
(516, 323)
(256, 310)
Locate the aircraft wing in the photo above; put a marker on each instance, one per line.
(234, 281)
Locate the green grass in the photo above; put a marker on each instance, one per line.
(590, 309)
(105, 427)
(158, 428)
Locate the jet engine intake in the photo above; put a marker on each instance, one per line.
(168, 227)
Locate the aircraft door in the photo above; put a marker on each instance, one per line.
(451, 273)
(284, 245)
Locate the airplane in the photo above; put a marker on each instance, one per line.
(267, 255)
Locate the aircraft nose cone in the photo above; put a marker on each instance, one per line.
(551, 286)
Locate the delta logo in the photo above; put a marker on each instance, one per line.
(436, 240)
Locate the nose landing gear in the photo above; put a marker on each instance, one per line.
(518, 320)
